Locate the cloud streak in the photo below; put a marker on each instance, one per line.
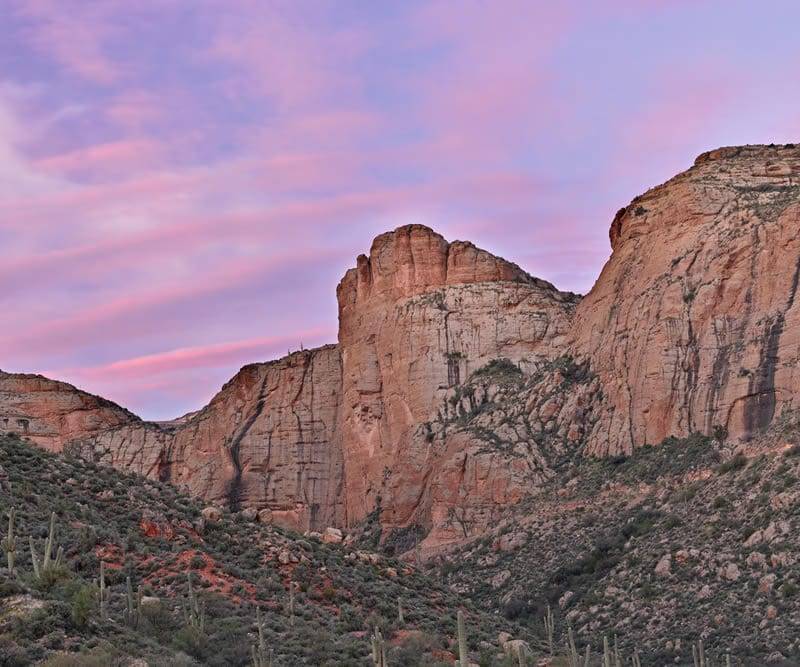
(182, 184)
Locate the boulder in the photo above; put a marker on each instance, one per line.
(249, 513)
(211, 514)
(332, 536)
(729, 571)
(664, 566)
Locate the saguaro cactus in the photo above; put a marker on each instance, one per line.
(463, 660)
(194, 610)
(103, 591)
(48, 563)
(574, 656)
(261, 657)
(10, 543)
(549, 628)
(133, 605)
(378, 649)
(699, 654)
(291, 603)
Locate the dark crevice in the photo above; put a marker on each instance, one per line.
(760, 408)
(234, 491)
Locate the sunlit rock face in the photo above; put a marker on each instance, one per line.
(416, 318)
(694, 323)
(460, 383)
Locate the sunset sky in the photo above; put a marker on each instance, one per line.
(183, 182)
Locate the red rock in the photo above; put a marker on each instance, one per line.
(153, 524)
(693, 322)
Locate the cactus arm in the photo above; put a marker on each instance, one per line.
(34, 558)
(48, 545)
(103, 592)
(549, 629)
(10, 545)
(463, 660)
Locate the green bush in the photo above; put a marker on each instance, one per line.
(732, 465)
(84, 605)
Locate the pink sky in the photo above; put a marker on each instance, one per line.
(183, 183)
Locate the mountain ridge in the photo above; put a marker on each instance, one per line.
(688, 328)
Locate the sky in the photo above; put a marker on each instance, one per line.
(184, 182)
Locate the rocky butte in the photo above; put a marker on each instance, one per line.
(460, 382)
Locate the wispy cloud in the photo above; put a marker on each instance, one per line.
(73, 33)
(203, 356)
(183, 182)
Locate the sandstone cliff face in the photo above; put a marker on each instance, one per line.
(268, 439)
(694, 323)
(416, 317)
(50, 413)
(460, 383)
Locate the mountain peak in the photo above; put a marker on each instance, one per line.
(413, 259)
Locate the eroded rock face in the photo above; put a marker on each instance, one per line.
(51, 413)
(460, 382)
(416, 318)
(694, 323)
(268, 439)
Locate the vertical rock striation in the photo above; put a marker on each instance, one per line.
(268, 439)
(416, 318)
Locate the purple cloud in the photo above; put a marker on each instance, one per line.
(183, 183)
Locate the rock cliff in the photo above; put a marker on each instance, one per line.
(460, 383)
(51, 413)
(693, 324)
(416, 318)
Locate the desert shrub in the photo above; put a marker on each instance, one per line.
(32, 627)
(641, 523)
(401, 540)
(84, 605)
(733, 464)
(91, 658)
(501, 371)
(415, 651)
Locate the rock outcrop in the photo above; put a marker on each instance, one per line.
(268, 439)
(416, 318)
(460, 383)
(51, 413)
(693, 324)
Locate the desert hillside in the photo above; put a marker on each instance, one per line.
(200, 582)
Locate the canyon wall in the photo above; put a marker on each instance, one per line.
(460, 382)
(416, 318)
(269, 439)
(693, 324)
